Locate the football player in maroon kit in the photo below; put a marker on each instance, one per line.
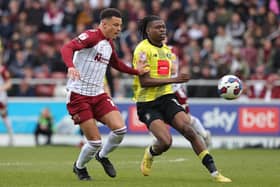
(87, 57)
(5, 85)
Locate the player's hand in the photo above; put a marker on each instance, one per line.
(183, 77)
(142, 67)
(73, 73)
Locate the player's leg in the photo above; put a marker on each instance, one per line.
(205, 134)
(49, 136)
(36, 135)
(118, 130)
(89, 149)
(107, 113)
(162, 143)
(183, 101)
(150, 114)
(182, 123)
(81, 112)
(7, 123)
(163, 137)
(92, 145)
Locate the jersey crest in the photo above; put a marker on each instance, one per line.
(83, 36)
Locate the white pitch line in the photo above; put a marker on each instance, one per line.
(178, 160)
(120, 163)
(15, 164)
(155, 161)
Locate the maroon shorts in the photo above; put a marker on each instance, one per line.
(3, 109)
(83, 108)
(2, 106)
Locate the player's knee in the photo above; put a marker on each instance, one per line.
(188, 119)
(194, 119)
(3, 114)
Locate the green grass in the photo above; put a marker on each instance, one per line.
(52, 166)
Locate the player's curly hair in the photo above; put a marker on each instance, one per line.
(143, 24)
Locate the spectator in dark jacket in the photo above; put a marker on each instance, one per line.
(44, 126)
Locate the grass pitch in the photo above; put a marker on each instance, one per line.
(52, 166)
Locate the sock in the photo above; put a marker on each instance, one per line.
(87, 153)
(198, 126)
(214, 174)
(114, 139)
(8, 125)
(208, 161)
(152, 152)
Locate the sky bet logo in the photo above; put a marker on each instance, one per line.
(258, 120)
(217, 118)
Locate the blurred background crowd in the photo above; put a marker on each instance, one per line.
(211, 38)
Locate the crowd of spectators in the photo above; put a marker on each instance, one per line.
(211, 37)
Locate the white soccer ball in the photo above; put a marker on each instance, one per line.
(229, 87)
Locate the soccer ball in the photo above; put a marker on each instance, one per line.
(229, 87)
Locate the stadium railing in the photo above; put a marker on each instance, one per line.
(128, 81)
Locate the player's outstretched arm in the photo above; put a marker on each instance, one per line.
(116, 63)
(7, 83)
(147, 81)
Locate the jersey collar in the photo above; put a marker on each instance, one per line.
(154, 44)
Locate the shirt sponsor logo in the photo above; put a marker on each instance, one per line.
(163, 67)
(258, 120)
(98, 57)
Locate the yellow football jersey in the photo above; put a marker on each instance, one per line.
(160, 61)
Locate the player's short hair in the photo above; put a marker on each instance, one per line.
(109, 13)
(143, 24)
